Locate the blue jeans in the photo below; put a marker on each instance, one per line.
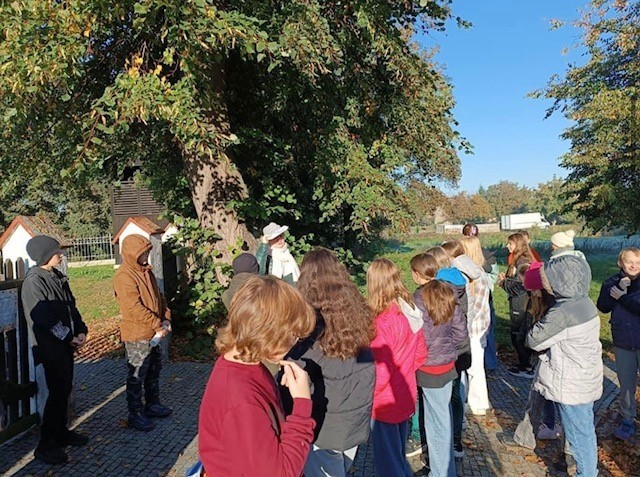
(490, 352)
(438, 424)
(580, 431)
(389, 449)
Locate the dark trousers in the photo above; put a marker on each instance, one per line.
(389, 449)
(58, 372)
(457, 412)
(144, 372)
(491, 351)
(518, 339)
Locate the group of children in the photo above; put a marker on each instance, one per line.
(396, 367)
(371, 365)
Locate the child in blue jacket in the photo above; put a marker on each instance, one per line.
(620, 295)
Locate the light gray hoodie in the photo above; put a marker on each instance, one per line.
(570, 370)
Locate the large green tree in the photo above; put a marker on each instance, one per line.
(553, 200)
(601, 98)
(319, 113)
(506, 197)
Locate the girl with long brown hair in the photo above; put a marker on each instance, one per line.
(339, 361)
(519, 253)
(399, 350)
(511, 282)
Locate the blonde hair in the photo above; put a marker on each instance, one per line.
(384, 285)
(441, 256)
(266, 318)
(348, 321)
(425, 265)
(473, 249)
(624, 251)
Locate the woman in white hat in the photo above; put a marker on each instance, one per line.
(273, 254)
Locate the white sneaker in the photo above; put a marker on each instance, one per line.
(546, 434)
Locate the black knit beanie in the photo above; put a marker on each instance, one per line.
(41, 248)
(245, 263)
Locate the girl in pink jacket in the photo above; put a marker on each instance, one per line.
(398, 350)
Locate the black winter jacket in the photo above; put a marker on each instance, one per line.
(342, 393)
(518, 301)
(51, 313)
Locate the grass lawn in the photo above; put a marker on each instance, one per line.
(603, 265)
(93, 289)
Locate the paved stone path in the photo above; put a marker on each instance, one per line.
(117, 451)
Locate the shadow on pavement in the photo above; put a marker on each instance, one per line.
(101, 412)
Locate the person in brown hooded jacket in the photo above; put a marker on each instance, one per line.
(145, 316)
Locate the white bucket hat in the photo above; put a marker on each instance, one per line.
(273, 230)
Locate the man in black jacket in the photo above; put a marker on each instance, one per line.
(56, 330)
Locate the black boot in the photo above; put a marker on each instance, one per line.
(73, 438)
(51, 454)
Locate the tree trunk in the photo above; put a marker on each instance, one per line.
(215, 181)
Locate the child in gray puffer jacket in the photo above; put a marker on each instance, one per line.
(570, 371)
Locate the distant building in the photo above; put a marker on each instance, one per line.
(131, 200)
(13, 243)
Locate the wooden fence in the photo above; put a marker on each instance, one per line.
(16, 363)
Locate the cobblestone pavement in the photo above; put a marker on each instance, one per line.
(114, 449)
(171, 448)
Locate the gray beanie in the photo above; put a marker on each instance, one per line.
(245, 263)
(41, 248)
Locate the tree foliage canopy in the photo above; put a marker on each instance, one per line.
(601, 98)
(506, 197)
(316, 113)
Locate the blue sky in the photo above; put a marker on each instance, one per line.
(509, 52)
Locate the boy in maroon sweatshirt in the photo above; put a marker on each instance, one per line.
(242, 427)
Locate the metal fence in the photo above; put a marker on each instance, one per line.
(87, 249)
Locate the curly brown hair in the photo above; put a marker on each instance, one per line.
(266, 318)
(327, 286)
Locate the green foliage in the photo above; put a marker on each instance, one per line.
(506, 197)
(600, 98)
(198, 299)
(553, 200)
(318, 114)
(314, 113)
